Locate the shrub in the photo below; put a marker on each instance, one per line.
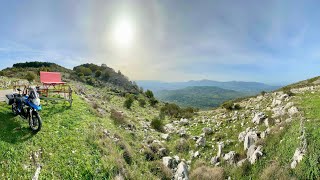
(207, 173)
(142, 102)
(263, 93)
(171, 110)
(117, 117)
(98, 73)
(289, 92)
(30, 76)
(157, 124)
(149, 94)
(182, 146)
(128, 102)
(161, 171)
(229, 105)
(153, 101)
(1, 73)
(106, 75)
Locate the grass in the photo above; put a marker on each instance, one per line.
(71, 144)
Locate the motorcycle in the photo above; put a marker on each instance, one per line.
(28, 107)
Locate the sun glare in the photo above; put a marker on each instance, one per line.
(123, 33)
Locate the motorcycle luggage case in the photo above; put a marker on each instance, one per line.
(9, 99)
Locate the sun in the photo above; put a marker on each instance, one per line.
(123, 33)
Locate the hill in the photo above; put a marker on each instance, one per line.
(269, 136)
(199, 96)
(248, 87)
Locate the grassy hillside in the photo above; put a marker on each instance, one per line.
(203, 97)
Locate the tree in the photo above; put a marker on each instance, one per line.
(98, 73)
(128, 102)
(142, 102)
(30, 76)
(149, 94)
(106, 75)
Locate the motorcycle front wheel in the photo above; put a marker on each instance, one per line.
(35, 122)
(14, 109)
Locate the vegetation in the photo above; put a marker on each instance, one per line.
(30, 76)
(142, 102)
(128, 102)
(203, 97)
(157, 124)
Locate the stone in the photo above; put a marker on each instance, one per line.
(182, 172)
(250, 139)
(214, 160)
(254, 153)
(297, 157)
(258, 117)
(241, 162)
(163, 152)
(182, 132)
(196, 154)
(207, 130)
(167, 161)
(293, 110)
(170, 128)
(230, 157)
(165, 136)
(201, 142)
(241, 136)
(184, 121)
(220, 146)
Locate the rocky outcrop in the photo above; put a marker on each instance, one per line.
(254, 153)
(250, 138)
(182, 172)
(258, 118)
(201, 142)
(230, 157)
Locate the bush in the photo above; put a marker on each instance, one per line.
(153, 101)
(263, 93)
(98, 73)
(171, 110)
(208, 173)
(157, 124)
(182, 146)
(149, 94)
(1, 73)
(128, 102)
(229, 105)
(31, 76)
(106, 75)
(142, 102)
(117, 117)
(289, 92)
(161, 171)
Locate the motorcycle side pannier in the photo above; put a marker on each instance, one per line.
(9, 99)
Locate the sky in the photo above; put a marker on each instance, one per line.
(275, 42)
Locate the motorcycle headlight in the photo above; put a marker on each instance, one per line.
(36, 101)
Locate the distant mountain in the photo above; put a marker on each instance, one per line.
(247, 87)
(199, 96)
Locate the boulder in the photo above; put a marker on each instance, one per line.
(293, 110)
(207, 130)
(258, 117)
(196, 154)
(214, 160)
(250, 139)
(230, 157)
(297, 157)
(168, 162)
(170, 128)
(165, 136)
(182, 172)
(241, 136)
(201, 142)
(254, 153)
(220, 146)
(182, 132)
(184, 121)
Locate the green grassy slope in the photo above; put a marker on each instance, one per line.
(71, 144)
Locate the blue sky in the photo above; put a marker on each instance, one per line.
(267, 41)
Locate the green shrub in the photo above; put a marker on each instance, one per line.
(289, 92)
(229, 105)
(153, 101)
(1, 73)
(117, 117)
(31, 76)
(263, 93)
(106, 75)
(128, 102)
(182, 146)
(142, 102)
(98, 73)
(157, 124)
(149, 94)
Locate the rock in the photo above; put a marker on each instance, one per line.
(196, 154)
(220, 146)
(201, 142)
(297, 157)
(182, 172)
(241, 162)
(214, 160)
(241, 136)
(258, 117)
(250, 139)
(266, 122)
(165, 136)
(163, 152)
(168, 162)
(182, 132)
(292, 111)
(276, 102)
(207, 131)
(230, 157)
(254, 153)
(184, 121)
(170, 128)
(288, 105)
(37, 173)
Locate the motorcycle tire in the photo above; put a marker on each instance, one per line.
(35, 122)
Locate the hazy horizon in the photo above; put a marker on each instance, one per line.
(271, 42)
